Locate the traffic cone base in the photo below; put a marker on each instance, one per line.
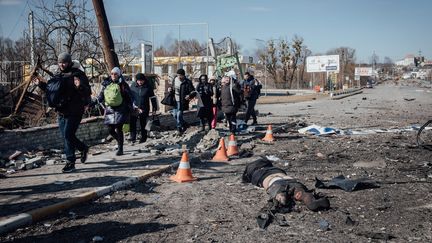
(184, 172)
(232, 147)
(269, 135)
(221, 153)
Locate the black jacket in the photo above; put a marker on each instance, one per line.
(205, 90)
(74, 99)
(186, 88)
(141, 97)
(257, 171)
(254, 88)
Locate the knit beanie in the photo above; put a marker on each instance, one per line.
(64, 58)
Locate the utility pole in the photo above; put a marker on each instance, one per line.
(105, 32)
(32, 39)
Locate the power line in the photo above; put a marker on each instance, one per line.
(19, 18)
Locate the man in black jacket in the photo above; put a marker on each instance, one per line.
(142, 94)
(251, 91)
(75, 100)
(184, 91)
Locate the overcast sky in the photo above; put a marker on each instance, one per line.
(392, 28)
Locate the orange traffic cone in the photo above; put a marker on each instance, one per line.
(269, 135)
(184, 172)
(221, 154)
(232, 146)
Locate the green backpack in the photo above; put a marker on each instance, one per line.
(113, 95)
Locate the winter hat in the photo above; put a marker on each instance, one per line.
(181, 71)
(140, 76)
(64, 58)
(116, 70)
(231, 74)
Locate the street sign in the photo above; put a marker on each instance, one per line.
(322, 63)
(363, 71)
(331, 68)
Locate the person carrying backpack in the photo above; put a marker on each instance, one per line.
(251, 91)
(115, 97)
(68, 92)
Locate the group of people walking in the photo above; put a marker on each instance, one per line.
(227, 94)
(124, 103)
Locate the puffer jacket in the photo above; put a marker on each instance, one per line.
(118, 114)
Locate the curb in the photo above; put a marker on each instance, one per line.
(36, 215)
(346, 95)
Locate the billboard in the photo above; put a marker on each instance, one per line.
(328, 63)
(363, 71)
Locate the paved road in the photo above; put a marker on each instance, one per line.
(366, 108)
(28, 190)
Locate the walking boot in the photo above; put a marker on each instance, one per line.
(120, 150)
(69, 167)
(84, 153)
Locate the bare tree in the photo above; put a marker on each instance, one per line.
(347, 57)
(65, 25)
(282, 60)
(304, 54)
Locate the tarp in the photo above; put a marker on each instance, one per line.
(318, 130)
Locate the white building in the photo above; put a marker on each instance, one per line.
(407, 61)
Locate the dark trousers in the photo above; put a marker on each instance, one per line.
(251, 110)
(133, 126)
(68, 126)
(206, 116)
(116, 131)
(232, 121)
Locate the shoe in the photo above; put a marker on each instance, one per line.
(186, 125)
(120, 150)
(84, 153)
(69, 167)
(142, 140)
(254, 123)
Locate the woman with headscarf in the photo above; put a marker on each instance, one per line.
(205, 91)
(115, 96)
(230, 101)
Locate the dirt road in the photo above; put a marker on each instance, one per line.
(220, 208)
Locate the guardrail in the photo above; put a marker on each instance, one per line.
(344, 93)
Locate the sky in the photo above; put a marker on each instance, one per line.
(390, 28)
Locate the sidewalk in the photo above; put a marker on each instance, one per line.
(47, 185)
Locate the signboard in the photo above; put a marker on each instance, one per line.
(363, 71)
(322, 63)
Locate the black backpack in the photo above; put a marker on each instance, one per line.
(55, 91)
